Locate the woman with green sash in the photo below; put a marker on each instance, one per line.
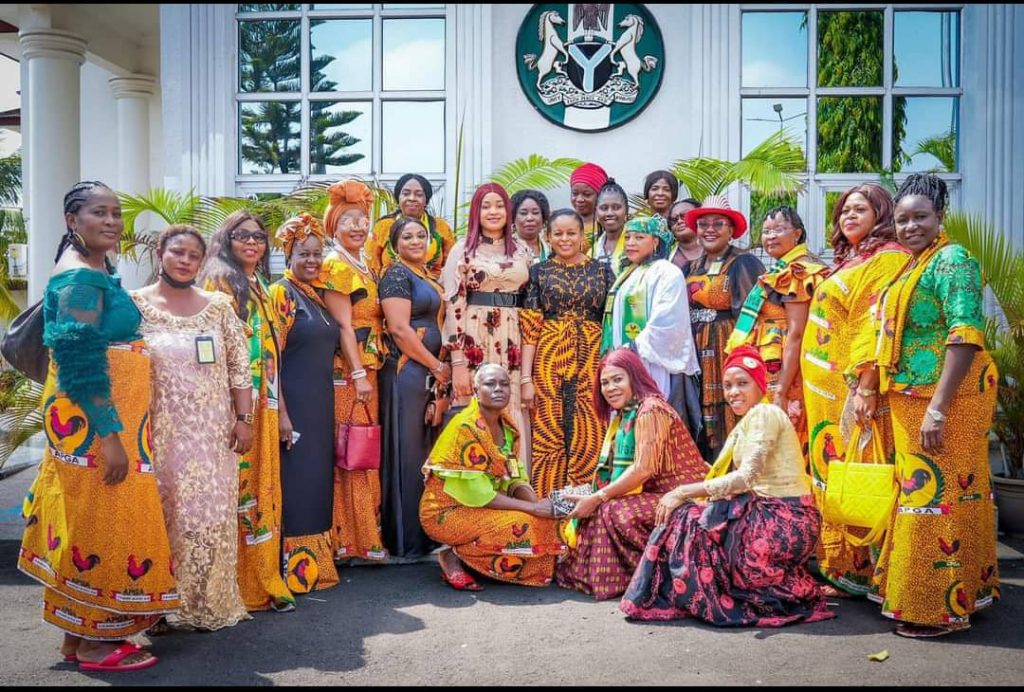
(646, 452)
(647, 309)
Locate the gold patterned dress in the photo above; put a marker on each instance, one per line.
(465, 471)
(717, 290)
(195, 468)
(792, 280)
(260, 576)
(100, 550)
(938, 562)
(485, 293)
(840, 314)
(357, 494)
(562, 318)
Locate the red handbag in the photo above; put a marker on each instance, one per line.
(357, 447)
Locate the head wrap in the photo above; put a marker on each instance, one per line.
(718, 204)
(652, 225)
(589, 174)
(428, 189)
(296, 230)
(749, 359)
(342, 196)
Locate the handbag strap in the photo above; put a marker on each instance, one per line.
(366, 410)
(854, 454)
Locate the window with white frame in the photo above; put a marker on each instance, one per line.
(329, 90)
(869, 91)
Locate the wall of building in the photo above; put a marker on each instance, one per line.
(688, 116)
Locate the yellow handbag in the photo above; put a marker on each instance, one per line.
(859, 494)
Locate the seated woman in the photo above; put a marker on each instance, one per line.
(478, 498)
(740, 559)
(647, 450)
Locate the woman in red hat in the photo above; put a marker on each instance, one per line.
(584, 184)
(740, 558)
(718, 283)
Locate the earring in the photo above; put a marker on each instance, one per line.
(79, 240)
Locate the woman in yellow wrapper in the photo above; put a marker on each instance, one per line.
(774, 315)
(478, 498)
(238, 265)
(867, 257)
(94, 525)
(352, 299)
(938, 563)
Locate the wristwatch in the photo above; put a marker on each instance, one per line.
(244, 418)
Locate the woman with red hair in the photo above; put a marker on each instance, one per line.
(484, 281)
(740, 558)
(647, 451)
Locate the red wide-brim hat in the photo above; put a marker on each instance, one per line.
(718, 204)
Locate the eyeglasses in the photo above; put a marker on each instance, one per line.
(717, 225)
(353, 225)
(776, 231)
(245, 236)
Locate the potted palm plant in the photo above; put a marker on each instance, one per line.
(1001, 267)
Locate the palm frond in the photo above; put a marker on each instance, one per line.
(942, 147)
(535, 173)
(456, 201)
(8, 308)
(771, 167)
(1002, 266)
(702, 176)
(22, 419)
(10, 180)
(638, 205)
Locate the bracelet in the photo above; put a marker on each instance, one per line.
(603, 495)
(936, 415)
(358, 374)
(866, 392)
(525, 380)
(458, 361)
(440, 367)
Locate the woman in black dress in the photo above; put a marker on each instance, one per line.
(413, 314)
(308, 336)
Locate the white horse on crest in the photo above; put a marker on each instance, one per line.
(625, 48)
(552, 47)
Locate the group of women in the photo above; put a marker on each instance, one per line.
(642, 375)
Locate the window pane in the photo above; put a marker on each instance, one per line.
(926, 49)
(342, 55)
(925, 134)
(342, 6)
(268, 55)
(775, 49)
(413, 136)
(850, 49)
(269, 7)
(413, 54)
(763, 117)
(411, 5)
(849, 134)
(269, 134)
(340, 134)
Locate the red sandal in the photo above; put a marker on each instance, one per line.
(461, 581)
(111, 662)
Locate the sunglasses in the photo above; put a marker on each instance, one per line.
(245, 236)
(717, 225)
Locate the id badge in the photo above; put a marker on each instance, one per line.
(205, 354)
(715, 269)
(513, 467)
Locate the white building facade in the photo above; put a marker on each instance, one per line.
(173, 95)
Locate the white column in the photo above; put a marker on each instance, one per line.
(133, 94)
(52, 146)
(473, 97)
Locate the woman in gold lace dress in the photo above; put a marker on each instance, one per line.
(201, 420)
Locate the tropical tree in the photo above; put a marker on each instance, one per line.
(12, 226)
(1001, 267)
(850, 54)
(270, 62)
(942, 147)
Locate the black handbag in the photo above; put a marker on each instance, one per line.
(23, 347)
